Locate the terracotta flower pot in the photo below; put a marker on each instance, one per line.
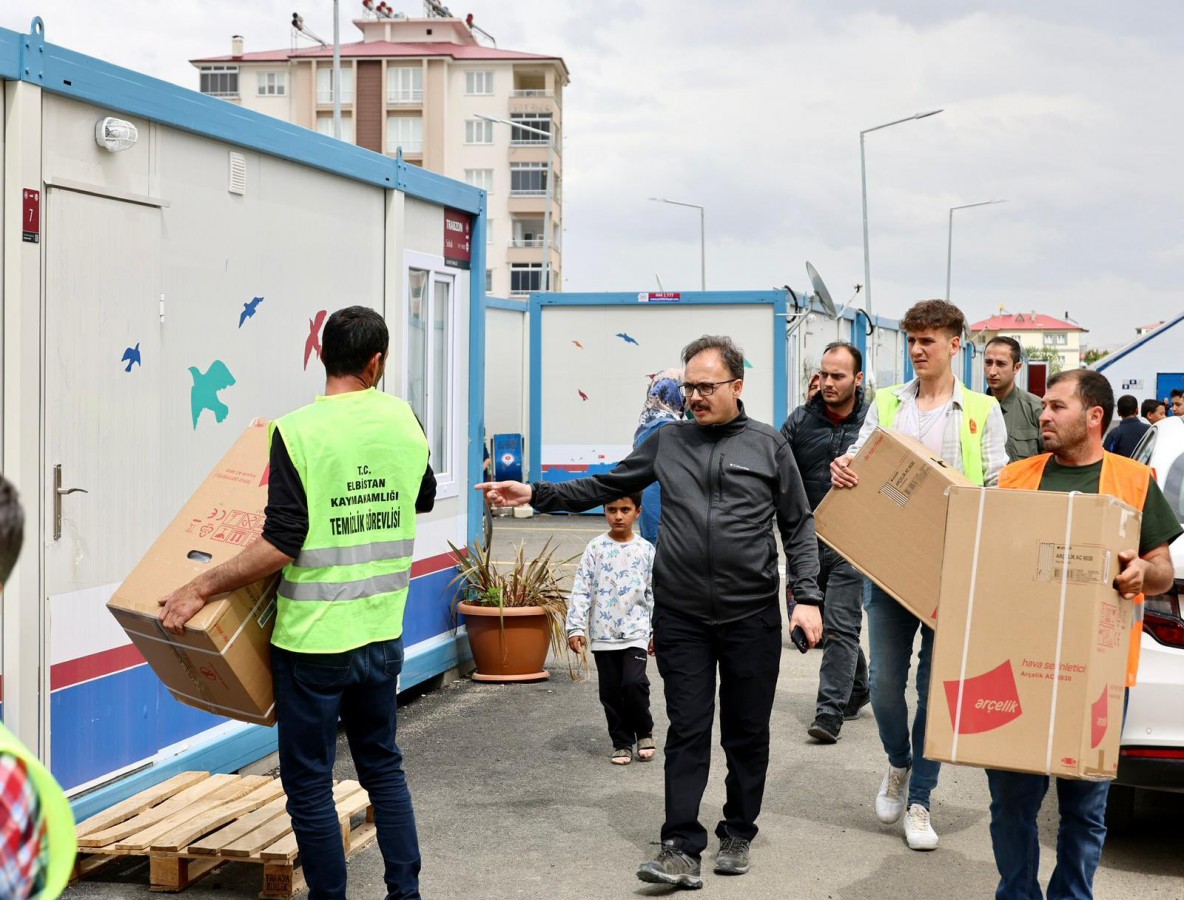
(508, 644)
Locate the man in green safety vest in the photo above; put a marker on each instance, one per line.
(37, 845)
(967, 430)
(348, 474)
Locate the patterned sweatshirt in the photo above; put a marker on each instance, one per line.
(611, 598)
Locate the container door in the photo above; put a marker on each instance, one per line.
(101, 410)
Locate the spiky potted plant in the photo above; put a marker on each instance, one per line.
(512, 617)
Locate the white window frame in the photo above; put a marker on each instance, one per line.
(325, 91)
(404, 84)
(324, 125)
(271, 83)
(475, 128)
(205, 71)
(450, 473)
(479, 83)
(412, 146)
(480, 178)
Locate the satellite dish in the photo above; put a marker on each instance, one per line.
(820, 291)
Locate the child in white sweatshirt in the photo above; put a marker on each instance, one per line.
(612, 601)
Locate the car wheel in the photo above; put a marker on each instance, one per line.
(1120, 808)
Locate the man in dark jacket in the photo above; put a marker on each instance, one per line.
(1130, 430)
(818, 431)
(724, 478)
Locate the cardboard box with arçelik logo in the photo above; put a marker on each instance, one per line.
(1030, 663)
(222, 662)
(891, 525)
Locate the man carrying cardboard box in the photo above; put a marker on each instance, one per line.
(348, 475)
(1078, 407)
(966, 429)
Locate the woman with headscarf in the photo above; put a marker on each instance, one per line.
(663, 404)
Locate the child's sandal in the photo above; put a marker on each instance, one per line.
(622, 756)
(646, 748)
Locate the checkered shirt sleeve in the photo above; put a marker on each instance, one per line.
(24, 849)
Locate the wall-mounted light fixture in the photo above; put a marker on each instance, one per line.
(115, 134)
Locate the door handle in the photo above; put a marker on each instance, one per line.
(58, 493)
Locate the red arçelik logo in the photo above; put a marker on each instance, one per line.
(989, 701)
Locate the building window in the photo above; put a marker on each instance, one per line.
(1056, 339)
(479, 83)
(219, 81)
(404, 84)
(528, 179)
(527, 233)
(405, 132)
(325, 84)
(537, 121)
(325, 126)
(489, 281)
(273, 84)
(527, 277)
(478, 131)
(488, 232)
(480, 178)
(430, 363)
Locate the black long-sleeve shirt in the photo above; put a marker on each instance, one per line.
(722, 487)
(286, 526)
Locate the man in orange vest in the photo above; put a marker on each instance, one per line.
(1077, 408)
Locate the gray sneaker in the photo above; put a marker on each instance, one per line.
(671, 866)
(732, 858)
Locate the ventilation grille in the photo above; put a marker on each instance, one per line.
(238, 174)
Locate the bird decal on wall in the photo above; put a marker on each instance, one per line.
(578, 344)
(628, 339)
(204, 393)
(583, 396)
(313, 342)
(131, 356)
(249, 310)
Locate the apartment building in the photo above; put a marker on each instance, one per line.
(1035, 331)
(416, 86)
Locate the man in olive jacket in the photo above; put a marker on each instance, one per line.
(818, 431)
(724, 479)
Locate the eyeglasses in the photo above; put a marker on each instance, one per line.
(705, 388)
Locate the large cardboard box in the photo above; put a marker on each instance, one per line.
(222, 662)
(1029, 667)
(891, 526)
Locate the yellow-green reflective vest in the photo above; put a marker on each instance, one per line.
(361, 457)
(59, 820)
(976, 407)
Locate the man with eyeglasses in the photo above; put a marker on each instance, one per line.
(724, 479)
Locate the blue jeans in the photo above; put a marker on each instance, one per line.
(1015, 803)
(843, 673)
(890, 632)
(311, 691)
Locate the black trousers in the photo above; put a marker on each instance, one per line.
(625, 694)
(747, 654)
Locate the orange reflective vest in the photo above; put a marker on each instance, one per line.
(1123, 478)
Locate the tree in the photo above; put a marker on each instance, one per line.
(1093, 354)
(1045, 354)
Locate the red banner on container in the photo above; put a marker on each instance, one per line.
(458, 234)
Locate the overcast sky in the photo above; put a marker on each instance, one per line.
(1069, 110)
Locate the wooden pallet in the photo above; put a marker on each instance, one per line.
(194, 822)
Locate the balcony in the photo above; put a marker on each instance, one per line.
(519, 243)
(325, 98)
(404, 98)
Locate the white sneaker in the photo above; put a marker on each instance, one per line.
(918, 830)
(890, 800)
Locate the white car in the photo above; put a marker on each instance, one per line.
(1152, 753)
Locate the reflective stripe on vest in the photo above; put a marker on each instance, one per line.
(55, 808)
(361, 457)
(976, 407)
(1123, 478)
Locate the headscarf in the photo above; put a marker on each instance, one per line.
(663, 398)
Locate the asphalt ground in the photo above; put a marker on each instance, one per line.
(515, 797)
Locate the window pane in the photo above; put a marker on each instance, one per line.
(417, 342)
(441, 436)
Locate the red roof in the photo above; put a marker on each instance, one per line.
(379, 49)
(1025, 322)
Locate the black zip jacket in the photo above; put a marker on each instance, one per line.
(816, 441)
(722, 486)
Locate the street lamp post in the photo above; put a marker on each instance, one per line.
(546, 281)
(867, 266)
(702, 236)
(950, 238)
